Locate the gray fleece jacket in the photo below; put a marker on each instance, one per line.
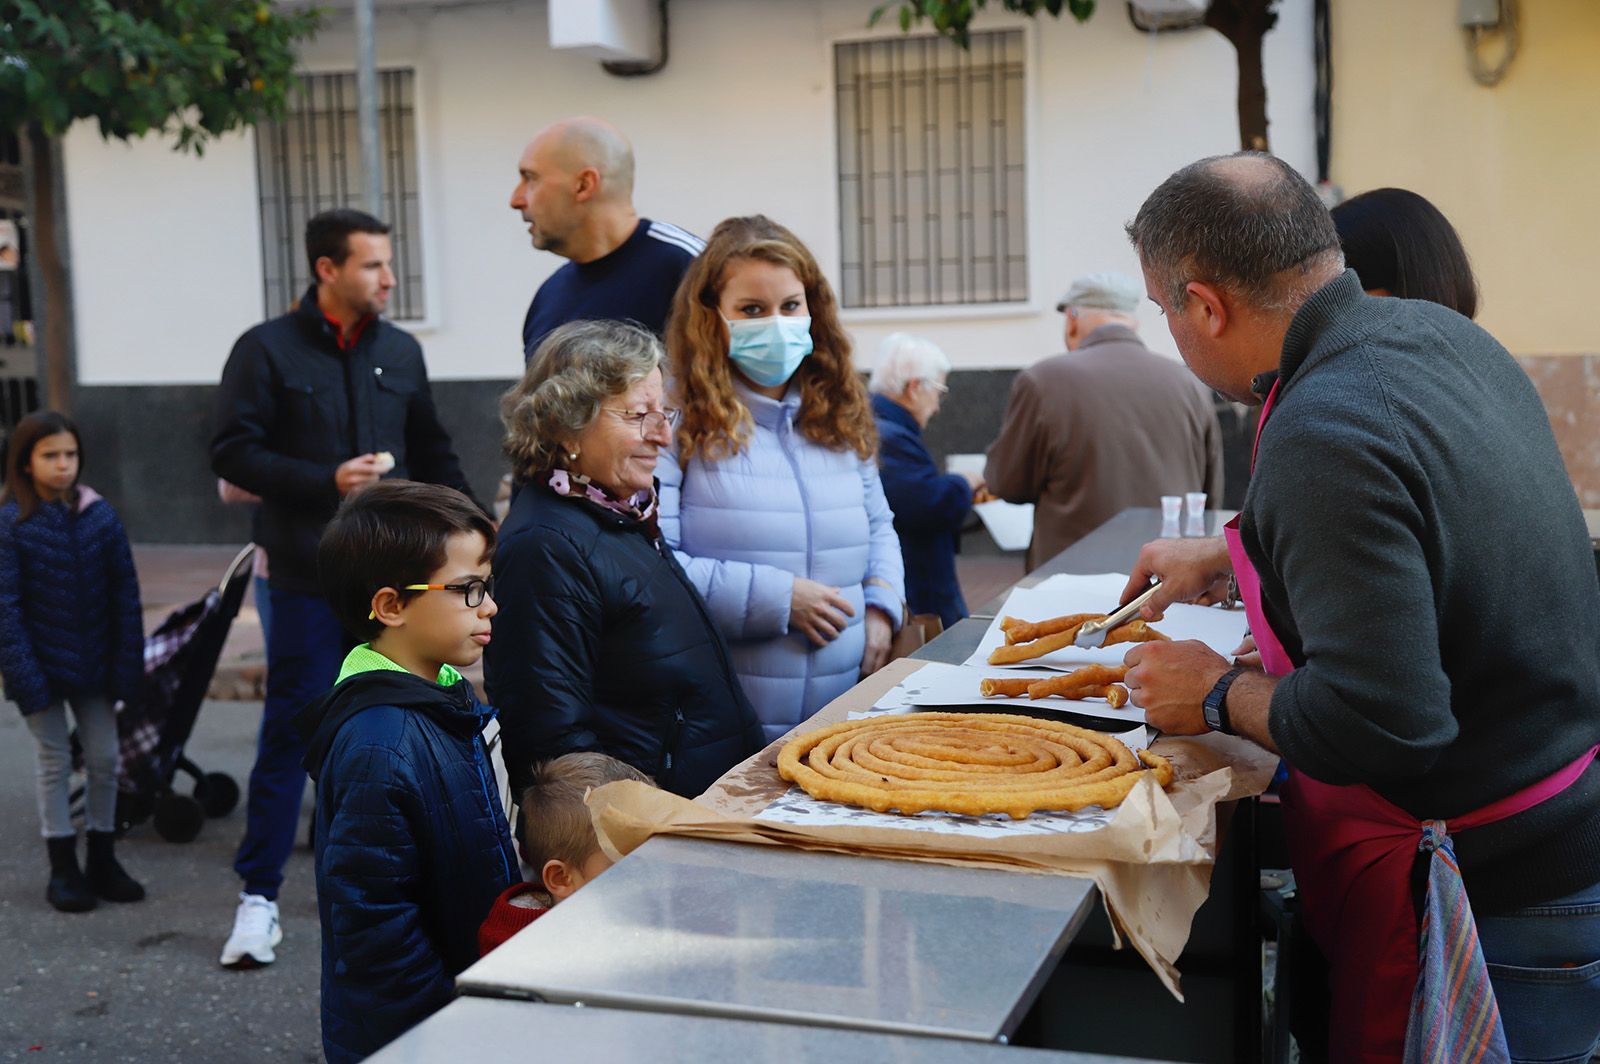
(1424, 560)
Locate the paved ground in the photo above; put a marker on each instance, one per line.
(141, 983)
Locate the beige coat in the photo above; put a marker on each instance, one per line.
(1091, 433)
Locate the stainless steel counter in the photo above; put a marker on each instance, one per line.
(481, 1029)
(767, 933)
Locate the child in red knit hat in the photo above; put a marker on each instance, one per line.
(559, 840)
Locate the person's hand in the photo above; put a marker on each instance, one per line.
(1170, 681)
(1190, 570)
(1246, 653)
(818, 611)
(356, 474)
(880, 633)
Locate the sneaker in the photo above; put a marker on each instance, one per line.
(255, 932)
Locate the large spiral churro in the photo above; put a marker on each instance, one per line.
(969, 763)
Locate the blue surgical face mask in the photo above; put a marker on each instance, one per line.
(769, 350)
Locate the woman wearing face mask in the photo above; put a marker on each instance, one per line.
(770, 491)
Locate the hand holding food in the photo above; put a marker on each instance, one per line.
(356, 474)
(970, 764)
(383, 462)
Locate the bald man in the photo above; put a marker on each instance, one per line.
(575, 191)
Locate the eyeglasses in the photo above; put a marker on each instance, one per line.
(648, 420)
(474, 591)
(942, 389)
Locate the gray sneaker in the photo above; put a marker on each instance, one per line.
(255, 931)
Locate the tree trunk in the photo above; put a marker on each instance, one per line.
(52, 307)
(1245, 23)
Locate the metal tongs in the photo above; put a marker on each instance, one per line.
(1093, 633)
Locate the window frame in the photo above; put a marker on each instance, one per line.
(1018, 309)
(432, 319)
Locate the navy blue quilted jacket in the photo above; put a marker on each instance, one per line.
(70, 621)
(411, 847)
(929, 510)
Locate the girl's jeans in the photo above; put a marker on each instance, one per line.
(97, 731)
(1544, 962)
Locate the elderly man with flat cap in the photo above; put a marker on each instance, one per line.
(575, 191)
(1107, 426)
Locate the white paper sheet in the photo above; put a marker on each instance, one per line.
(1219, 629)
(936, 685)
(1010, 524)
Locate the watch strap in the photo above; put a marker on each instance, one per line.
(1215, 707)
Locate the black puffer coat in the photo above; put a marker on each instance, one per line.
(601, 643)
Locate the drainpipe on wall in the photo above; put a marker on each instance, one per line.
(639, 70)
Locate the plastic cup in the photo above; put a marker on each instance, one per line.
(1171, 510)
(1196, 503)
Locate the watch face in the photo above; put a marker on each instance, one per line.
(1213, 716)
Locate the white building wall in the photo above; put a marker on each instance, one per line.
(166, 248)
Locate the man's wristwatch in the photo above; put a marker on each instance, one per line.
(1215, 708)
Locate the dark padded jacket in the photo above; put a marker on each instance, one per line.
(929, 510)
(411, 849)
(1425, 563)
(70, 621)
(293, 406)
(601, 643)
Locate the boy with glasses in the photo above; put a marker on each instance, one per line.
(411, 841)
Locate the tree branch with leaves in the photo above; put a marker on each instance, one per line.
(1245, 23)
(190, 69)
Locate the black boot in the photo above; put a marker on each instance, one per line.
(106, 875)
(68, 890)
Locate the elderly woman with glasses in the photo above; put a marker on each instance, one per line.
(601, 642)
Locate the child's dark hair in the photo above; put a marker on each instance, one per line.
(555, 821)
(328, 234)
(19, 456)
(391, 534)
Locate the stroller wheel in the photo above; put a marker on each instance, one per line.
(217, 793)
(178, 817)
(133, 809)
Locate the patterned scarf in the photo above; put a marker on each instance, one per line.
(640, 506)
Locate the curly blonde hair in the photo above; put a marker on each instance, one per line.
(578, 366)
(834, 408)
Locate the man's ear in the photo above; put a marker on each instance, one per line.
(387, 609)
(1211, 307)
(586, 186)
(560, 879)
(324, 270)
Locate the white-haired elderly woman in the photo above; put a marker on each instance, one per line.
(601, 642)
(908, 383)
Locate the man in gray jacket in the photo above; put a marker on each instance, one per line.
(1108, 426)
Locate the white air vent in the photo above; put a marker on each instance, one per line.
(618, 31)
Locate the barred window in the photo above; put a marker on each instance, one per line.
(932, 171)
(310, 161)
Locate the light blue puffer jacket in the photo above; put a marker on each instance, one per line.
(745, 526)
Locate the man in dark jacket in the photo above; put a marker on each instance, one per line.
(1422, 596)
(412, 845)
(908, 384)
(314, 405)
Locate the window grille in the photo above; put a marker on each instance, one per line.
(932, 171)
(310, 161)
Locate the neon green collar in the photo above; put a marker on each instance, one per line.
(364, 659)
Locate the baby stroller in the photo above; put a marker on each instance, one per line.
(179, 660)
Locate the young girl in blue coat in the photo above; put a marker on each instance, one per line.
(71, 633)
